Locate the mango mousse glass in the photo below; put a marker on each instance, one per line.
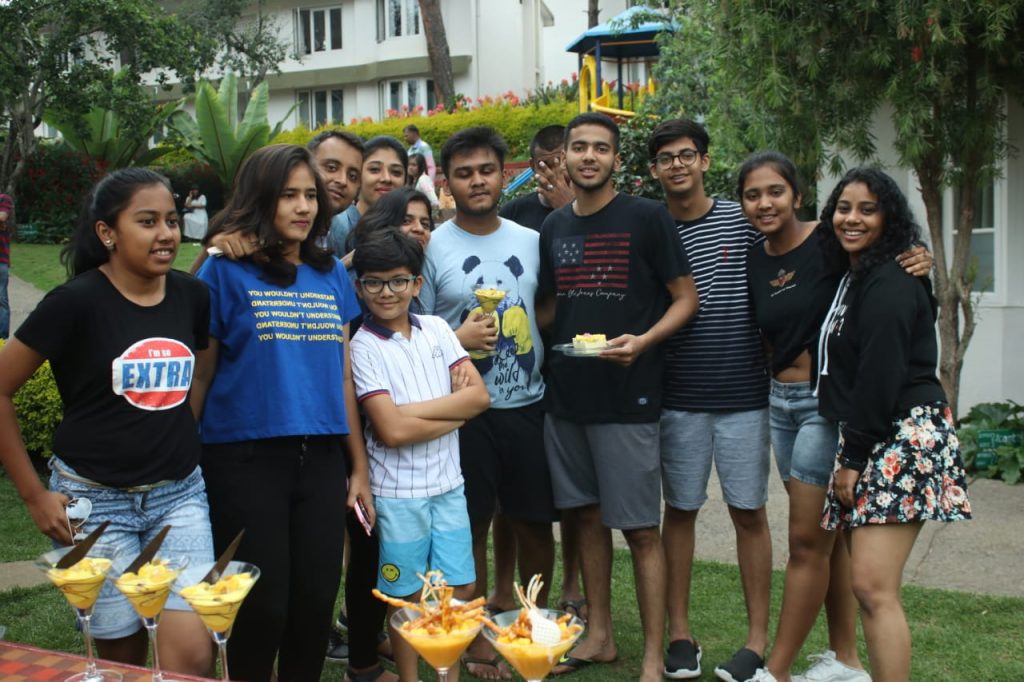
(147, 591)
(217, 603)
(81, 585)
(441, 649)
(533, 660)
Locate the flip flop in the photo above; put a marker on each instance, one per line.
(575, 607)
(490, 662)
(576, 664)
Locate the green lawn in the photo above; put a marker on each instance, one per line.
(39, 264)
(957, 636)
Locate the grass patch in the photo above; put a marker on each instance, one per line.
(957, 636)
(39, 264)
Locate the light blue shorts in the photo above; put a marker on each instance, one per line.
(737, 442)
(805, 443)
(420, 534)
(135, 518)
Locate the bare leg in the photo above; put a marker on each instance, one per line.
(678, 538)
(131, 649)
(596, 560)
(841, 606)
(570, 560)
(481, 650)
(502, 596)
(185, 645)
(879, 554)
(535, 546)
(405, 655)
(807, 576)
(649, 572)
(754, 552)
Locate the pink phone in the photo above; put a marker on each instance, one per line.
(363, 516)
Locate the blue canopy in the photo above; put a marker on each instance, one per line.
(619, 40)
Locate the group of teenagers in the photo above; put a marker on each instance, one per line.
(333, 357)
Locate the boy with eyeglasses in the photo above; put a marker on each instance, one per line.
(416, 386)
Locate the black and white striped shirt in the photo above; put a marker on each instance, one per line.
(716, 363)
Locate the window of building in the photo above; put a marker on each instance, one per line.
(317, 107)
(983, 237)
(409, 93)
(397, 18)
(318, 30)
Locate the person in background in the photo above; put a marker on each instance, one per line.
(417, 145)
(6, 229)
(127, 441)
(195, 216)
(418, 178)
(277, 401)
(554, 190)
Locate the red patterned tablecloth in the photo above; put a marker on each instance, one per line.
(23, 663)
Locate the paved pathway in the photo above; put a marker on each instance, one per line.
(984, 555)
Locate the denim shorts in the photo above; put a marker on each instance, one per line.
(135, 518)
(737, 442)
(421, 533)
(804, 441)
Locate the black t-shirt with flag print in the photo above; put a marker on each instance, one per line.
(608, 272)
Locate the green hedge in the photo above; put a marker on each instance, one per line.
(517, 124)
(39, 409)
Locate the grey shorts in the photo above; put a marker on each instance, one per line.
(615, 466)
(737, 442)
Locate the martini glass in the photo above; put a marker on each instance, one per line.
(533, 660)
(441, 649)
(217, 603)
(147, 592)
(81, 585)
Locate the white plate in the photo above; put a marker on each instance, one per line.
(574, 352)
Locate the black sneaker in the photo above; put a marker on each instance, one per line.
(682, 662)
(337, 648)
(741, 667)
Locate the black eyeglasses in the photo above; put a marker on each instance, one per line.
(687, 157)
(372, 285)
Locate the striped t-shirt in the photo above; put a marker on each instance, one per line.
(716, 363)
(410, 371)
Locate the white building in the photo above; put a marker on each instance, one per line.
(993, 371)
(360, 58)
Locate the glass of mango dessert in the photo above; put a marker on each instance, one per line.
(532, 639)
(217, 603)
(81, 584)
(147, 590)
(439, 627)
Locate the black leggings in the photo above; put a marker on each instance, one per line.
(365, 612)
(289, 495)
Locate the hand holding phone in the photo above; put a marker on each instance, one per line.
(363, 516)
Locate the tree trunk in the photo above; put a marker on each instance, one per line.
(593, 13)
(437, 50)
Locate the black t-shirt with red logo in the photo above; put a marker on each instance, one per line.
(124, 372)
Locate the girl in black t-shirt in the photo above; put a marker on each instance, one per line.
(120, 337)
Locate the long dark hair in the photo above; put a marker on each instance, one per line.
(389, 211)
(104, 203)
(253, 205)
(900, 232)
(421, 168)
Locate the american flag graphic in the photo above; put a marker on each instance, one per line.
(593, 261)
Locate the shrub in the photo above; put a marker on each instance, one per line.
(517, 124)
(992, 440)
(50, 193)
(39, 409)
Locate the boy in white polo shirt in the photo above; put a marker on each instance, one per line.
(416, 387)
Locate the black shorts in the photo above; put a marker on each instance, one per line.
(503, 462)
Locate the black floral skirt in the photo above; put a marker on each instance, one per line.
(916, 475)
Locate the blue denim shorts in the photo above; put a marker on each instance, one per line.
(421, 533)
(135, 518)
(737, 442)
(804, 442)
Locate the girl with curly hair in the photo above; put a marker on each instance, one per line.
(898, 461)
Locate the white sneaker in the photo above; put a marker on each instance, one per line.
(826, 668)
(762, 675)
